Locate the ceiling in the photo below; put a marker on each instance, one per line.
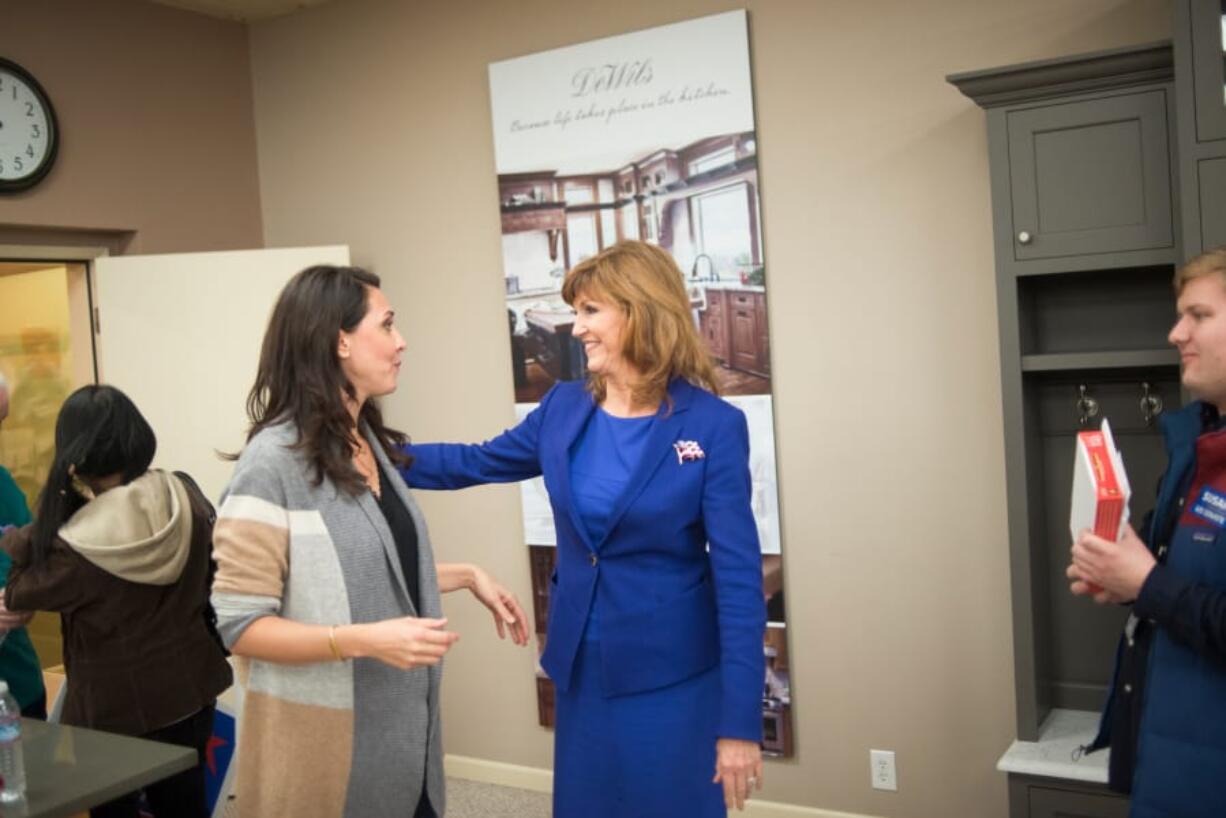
(243, 10)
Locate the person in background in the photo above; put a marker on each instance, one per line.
(326, 582)
(38, 392)
(1167, 705)
(657, 612)
(122, 552)
(19, 664)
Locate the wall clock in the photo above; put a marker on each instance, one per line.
(29, 134)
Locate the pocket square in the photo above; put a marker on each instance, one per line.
(688, 450)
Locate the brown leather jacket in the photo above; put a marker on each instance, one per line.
(139, 656)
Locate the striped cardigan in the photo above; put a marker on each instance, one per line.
(357, 738)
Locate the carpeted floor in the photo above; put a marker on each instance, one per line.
(473, 799)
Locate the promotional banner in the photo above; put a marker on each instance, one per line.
(648, 136)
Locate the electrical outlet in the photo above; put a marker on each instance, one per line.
(881, 766)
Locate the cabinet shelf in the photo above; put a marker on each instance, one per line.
(1126, 359)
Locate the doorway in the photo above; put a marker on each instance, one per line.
(179, 333)
(46, 351)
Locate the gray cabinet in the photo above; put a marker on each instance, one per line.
(1087, 155)
(1033, 797)
(1081, 204)
(1199, 79)
(1052, 803)
(1085, 235)
(1090, 176)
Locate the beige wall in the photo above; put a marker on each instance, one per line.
(374, 130)
(154, 105)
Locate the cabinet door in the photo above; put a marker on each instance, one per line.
(1212, 176)
(715, 333)
(764, 344)
(542, 559)
(1053, 803)
(157, 349)
(714, 325)
(546, 351)
(545, 701)
(1209, 69)
(1200, 99)
(744, 332)
(1090, 176)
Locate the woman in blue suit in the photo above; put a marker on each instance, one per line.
(657, 615)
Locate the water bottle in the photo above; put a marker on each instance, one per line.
(12, 765)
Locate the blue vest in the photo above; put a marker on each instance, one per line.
(1180, 760)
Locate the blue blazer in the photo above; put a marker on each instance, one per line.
(669, 607)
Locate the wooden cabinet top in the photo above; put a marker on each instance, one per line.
(717, 287)
(532, 218)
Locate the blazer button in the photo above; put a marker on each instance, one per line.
(1127, 688)
(594, 560)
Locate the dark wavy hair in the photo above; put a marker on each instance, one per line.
(100, 433)
(300, 379)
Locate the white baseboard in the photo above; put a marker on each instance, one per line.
(538, 780)
(774, 809)
(498, 772)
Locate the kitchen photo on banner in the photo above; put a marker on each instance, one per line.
(650, 136)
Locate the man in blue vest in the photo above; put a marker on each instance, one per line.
(18, 661)
(1165, 718)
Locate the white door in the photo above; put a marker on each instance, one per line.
(181, 334)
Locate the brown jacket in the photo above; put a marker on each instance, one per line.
(138, 655)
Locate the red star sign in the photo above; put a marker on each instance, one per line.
(214, 743)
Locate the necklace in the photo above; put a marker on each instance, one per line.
(364, 462)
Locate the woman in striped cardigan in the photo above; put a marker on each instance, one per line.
(326, 582)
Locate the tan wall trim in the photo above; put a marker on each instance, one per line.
(48, 252)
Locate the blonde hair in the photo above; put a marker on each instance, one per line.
(1207, 263)
(660, 339)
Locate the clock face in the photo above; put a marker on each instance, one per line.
(28, 134)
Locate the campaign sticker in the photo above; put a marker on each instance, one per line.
(1211, 507)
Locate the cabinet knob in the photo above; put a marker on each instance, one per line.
(1024, 237)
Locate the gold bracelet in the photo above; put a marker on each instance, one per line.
(336, 651)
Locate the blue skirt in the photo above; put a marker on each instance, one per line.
(645, 755)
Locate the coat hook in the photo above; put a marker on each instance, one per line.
(1087, 407)
(1151, 404)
